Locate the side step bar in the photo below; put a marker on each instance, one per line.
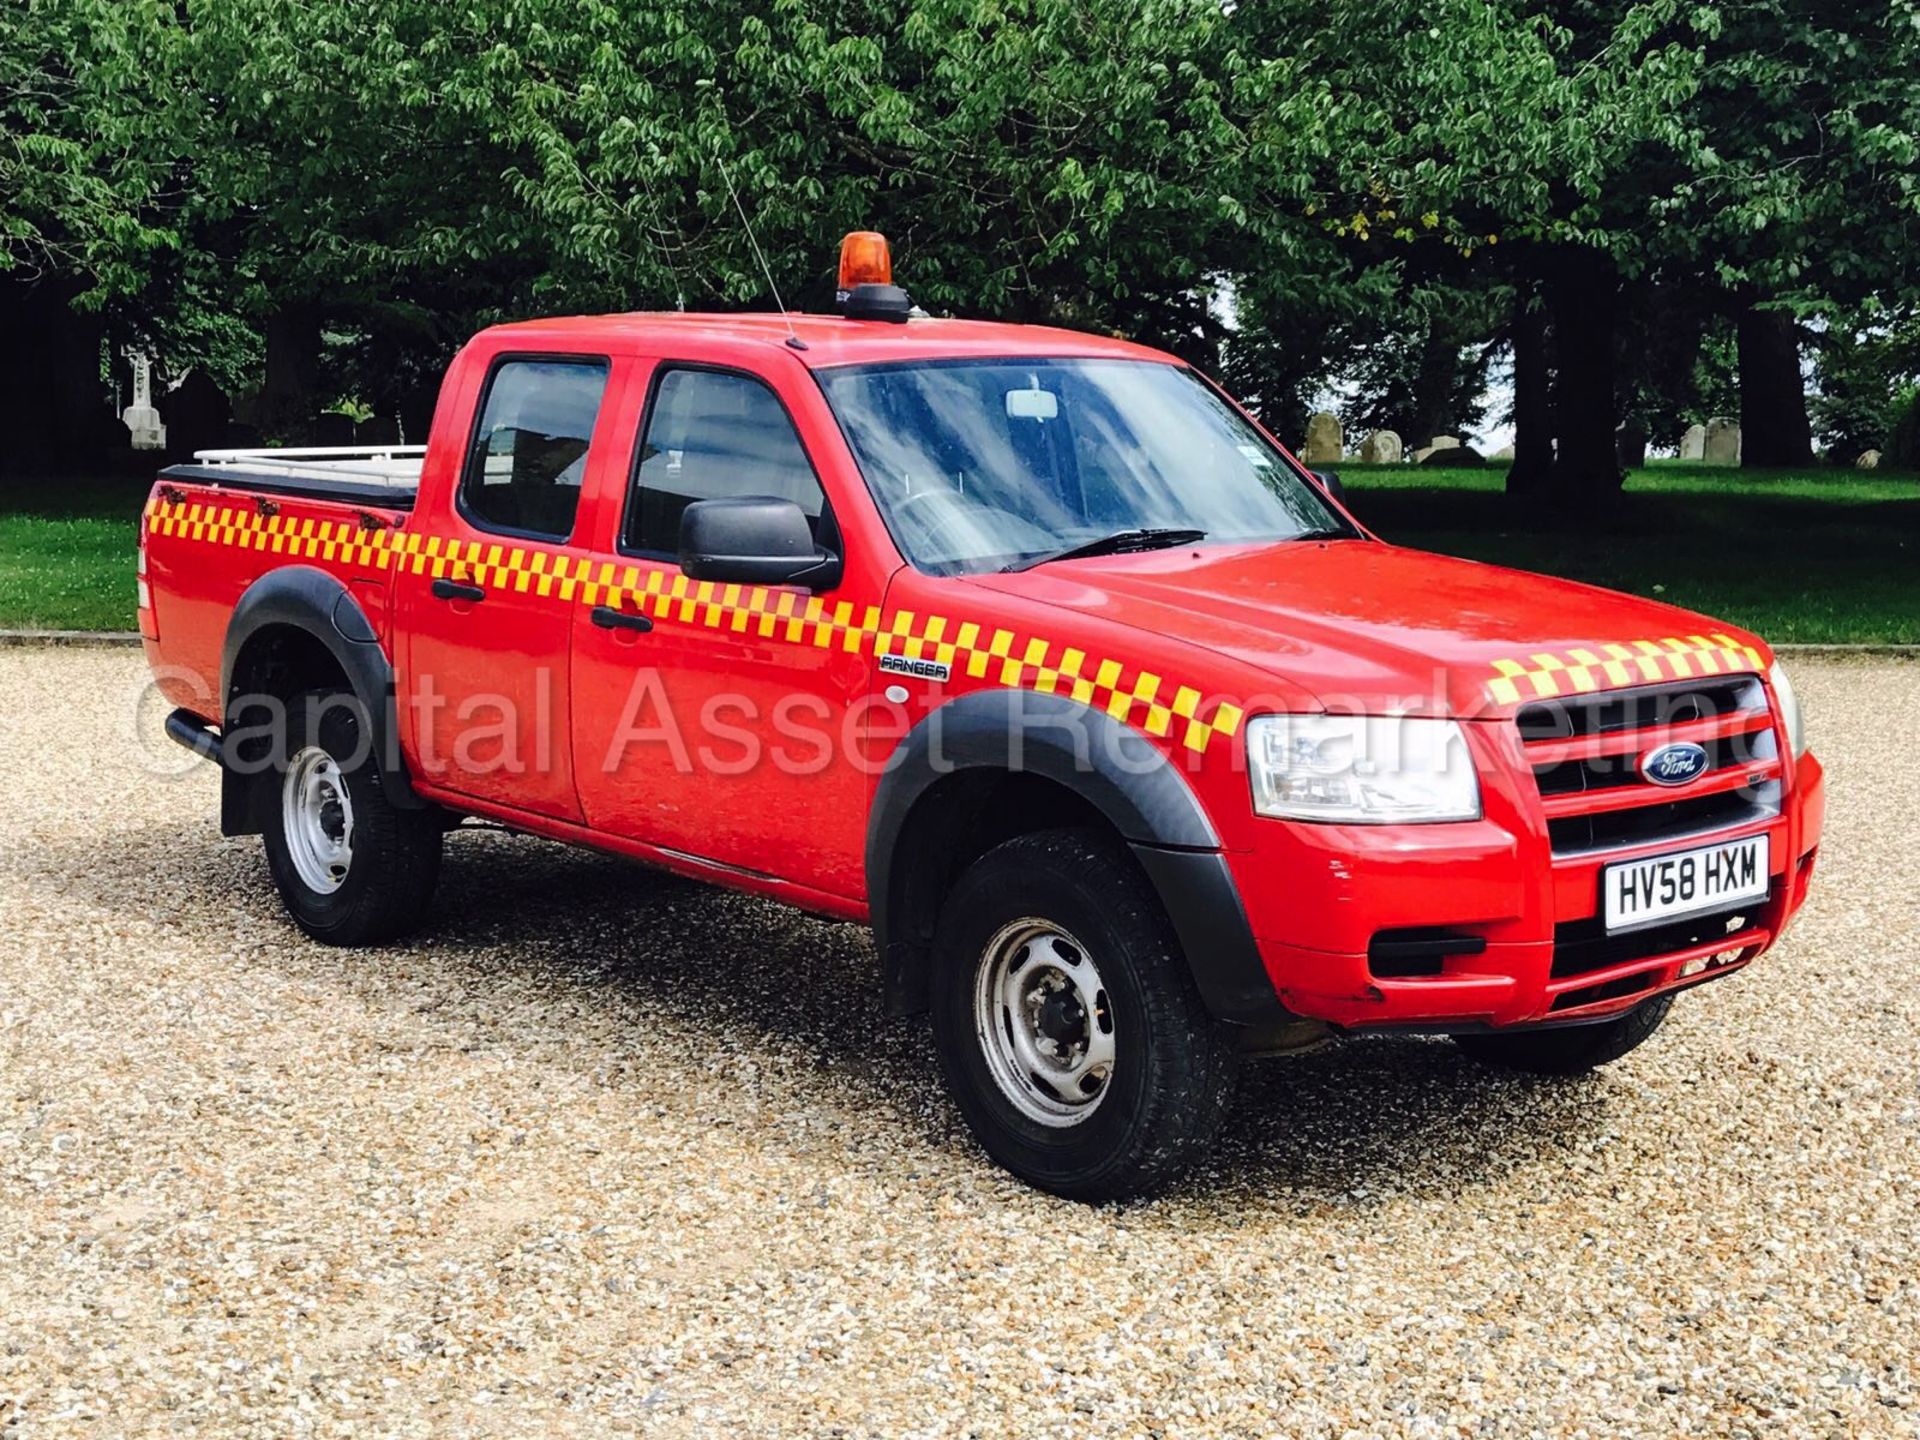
(198, 735)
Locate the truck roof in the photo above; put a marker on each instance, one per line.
(834, 339)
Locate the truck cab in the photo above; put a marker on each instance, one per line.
(1028, 648)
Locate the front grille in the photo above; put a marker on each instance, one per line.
(1585, 751)
(1604, 772)
(1662, 820)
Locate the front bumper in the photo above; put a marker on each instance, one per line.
(1495, 884)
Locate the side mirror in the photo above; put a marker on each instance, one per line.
(1330, 482)
(754, 540)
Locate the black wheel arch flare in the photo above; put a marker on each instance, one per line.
(320, 607)
(1118, 773)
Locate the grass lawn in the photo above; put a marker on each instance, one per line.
(1825, 556)
(66, 553)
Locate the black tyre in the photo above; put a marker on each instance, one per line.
(1572, 1049)
(351, 867)
(1068, 1024)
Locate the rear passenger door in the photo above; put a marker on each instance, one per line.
(720, 730)
(489, 595)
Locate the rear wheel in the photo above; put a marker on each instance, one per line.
(1571, 1049)
(1069, 1027)
(351, 867)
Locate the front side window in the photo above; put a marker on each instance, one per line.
(530, 451)
(983, 464)
(712, 434)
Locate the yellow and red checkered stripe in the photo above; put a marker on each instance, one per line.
(1162, 708)
(1586, 668)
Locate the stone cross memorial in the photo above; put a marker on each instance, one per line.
(142, 420)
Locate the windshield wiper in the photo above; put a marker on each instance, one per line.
(1120, 542)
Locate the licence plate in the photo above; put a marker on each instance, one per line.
(1667, 887)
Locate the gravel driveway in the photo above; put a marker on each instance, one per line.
(611, 1152)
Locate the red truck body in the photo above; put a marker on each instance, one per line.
(1496, 918)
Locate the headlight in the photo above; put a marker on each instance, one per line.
(1361, 769)
(1789, 709)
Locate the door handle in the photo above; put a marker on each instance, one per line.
(457, 590)
(608, 618)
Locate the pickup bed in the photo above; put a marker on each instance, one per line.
(1028, 648)
(387, 476)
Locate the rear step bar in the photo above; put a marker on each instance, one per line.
(188, 729)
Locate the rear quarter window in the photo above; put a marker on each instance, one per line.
(529, 452)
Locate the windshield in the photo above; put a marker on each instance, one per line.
(984, 464)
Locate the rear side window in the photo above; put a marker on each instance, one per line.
(711, 435)
(530, 451)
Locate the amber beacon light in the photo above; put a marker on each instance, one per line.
(866, 289)
(864, 260)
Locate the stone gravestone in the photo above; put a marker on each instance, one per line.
(1438, 442)
(1382, 447)
(142, 420)
(333, 428)
(198, 415)
(1867, 460)
(377, 430)
(1693, 444)
(1722, 445)
(1325, 442)
(1630, 443)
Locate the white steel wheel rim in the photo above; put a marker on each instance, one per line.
(316, 812)
(1044, 1023)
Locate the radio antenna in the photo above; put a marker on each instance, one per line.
(793, 335)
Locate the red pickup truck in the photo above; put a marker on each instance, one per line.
(1028, 648)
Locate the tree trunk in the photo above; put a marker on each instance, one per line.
(1532, 398)
(1773, 397)
(1434, 381)
(1583, 292)
(288, 405)
(54, 411)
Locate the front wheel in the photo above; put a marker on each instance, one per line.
(1069, 1027)
(352, 868)
(1572, 1049)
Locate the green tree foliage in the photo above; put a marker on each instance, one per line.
(89, 188)
(1758, 161)
(1869, 364)
(1380, 189)
(1498, 141)
(1032, 160)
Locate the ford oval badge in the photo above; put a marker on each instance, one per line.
(1676, 764)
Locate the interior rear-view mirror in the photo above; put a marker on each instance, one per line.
(1032, 404)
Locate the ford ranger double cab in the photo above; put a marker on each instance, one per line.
(1029, 649)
